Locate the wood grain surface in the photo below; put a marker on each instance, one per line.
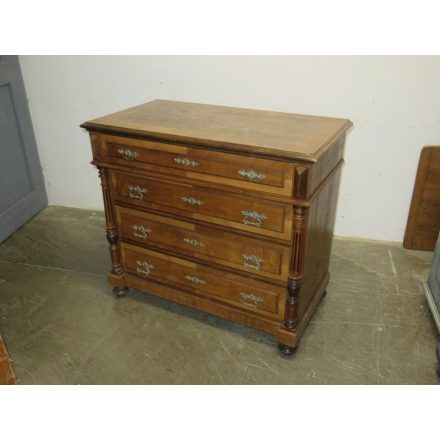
(257, 257)
(423, 224)
(7, 376)
(278, 134)
(227, 210)
(256, 215)
(246, 172)
(256, 296)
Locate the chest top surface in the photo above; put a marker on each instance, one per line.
(282, 135)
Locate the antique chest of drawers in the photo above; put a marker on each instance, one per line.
(227, 210)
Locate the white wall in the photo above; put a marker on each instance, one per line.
(394, 103)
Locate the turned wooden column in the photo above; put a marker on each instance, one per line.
(296, 270)
(116, 273)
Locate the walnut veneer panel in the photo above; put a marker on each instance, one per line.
(227, 210)
(250, 173)
(259, 297)
(259, 258)
(246, 131)
(255, 215)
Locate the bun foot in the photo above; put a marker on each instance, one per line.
(120, 291)
(285, 350)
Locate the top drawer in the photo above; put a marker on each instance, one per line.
(245, 172)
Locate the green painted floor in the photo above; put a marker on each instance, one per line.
(61, 324)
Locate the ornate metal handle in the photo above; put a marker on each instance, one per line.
(254, 216)
(192, 201)
(257, 260)
(144, 267)
(136, 192)
(128, 154)
(186, 162)
(194, 243)
(252, 175)
(251, 300)
(194, 280)
(141, 231)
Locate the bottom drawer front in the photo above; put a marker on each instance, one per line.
(248, 293)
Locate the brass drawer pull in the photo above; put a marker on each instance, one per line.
(192, 201)
(141, 231)
(194, 280)
(251, 175)
(186, 162)
(128, 154)
(251, 300)
(253, 258)
(136, 192)
(144, 267)
(254, 216)
(193, 242)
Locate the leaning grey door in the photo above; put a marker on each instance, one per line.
(432, 288)
(22, 191)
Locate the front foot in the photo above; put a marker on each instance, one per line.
(324, 294)
(120, 291)
(285, 350)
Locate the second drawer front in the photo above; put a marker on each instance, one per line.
(245, 213)
(225, 248)
(249, 294)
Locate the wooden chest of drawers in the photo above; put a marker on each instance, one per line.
(227, 210)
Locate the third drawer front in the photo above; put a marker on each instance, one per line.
(249, 294)
(241, 212)
(225, 248)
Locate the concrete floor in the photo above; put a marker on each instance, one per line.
(62, 325)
